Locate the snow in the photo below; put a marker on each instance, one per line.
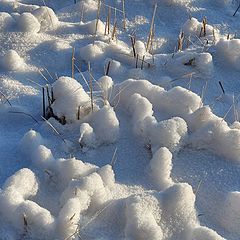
(127, 142)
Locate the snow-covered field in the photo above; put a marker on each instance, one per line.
(119, 120)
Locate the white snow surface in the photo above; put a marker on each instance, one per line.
(112, 128)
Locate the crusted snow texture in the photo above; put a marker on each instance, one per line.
(230, 217)
(70, 98)
(160, 169)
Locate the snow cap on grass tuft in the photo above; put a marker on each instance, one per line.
(69, 96)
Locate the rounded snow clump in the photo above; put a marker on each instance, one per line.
(90, 27)
(70, 99)
(6, 21)
(28, 23)
(46, 17)
(105, 84)
(11, 61)
(140, 221)
(160, 169)
(90, 52)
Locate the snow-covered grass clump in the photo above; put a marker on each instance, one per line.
(192, 27)
(11, 61)
(70, 98)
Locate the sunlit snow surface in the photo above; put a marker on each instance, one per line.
(149, 152)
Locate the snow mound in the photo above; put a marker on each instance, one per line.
(6, 21)
(229, 51)
(178, 207)
(192, 27)
(187, 62)
(160, 169)
(168, 133)
(90, 52)
(27, 22)
(177, 101)
(90, 27)
(102, 127)
(70, 98)
(46, 17)
(140, 221)
(213, 133)
(11, 61)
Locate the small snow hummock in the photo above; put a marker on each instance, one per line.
(90, 27)
(101, 127)
(46, 17)
(11, 61)
(229, 50)
(177, 102)
(140, 221)
(6, 21)
(27, 22)
(70, 98)
(160, 169)
(91, 52)
(157, 134)
(213, 133)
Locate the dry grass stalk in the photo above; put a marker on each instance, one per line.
(221, 86)
(73, 61)
(43, 102)
(43, 76)
(26, 114)
(204, 22)
(98, 16)
(114, 29)
(133, 46)
(236, 10)
(152, 40)
(124, 15)
(114, 157)
(142, 62)
(137, 61)
(180, 41)
(200, 34)
(82, 13)
(108, 68)
(91, 85)
(228, 36)
(109, 20)
(5, 98)
(151, 27)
